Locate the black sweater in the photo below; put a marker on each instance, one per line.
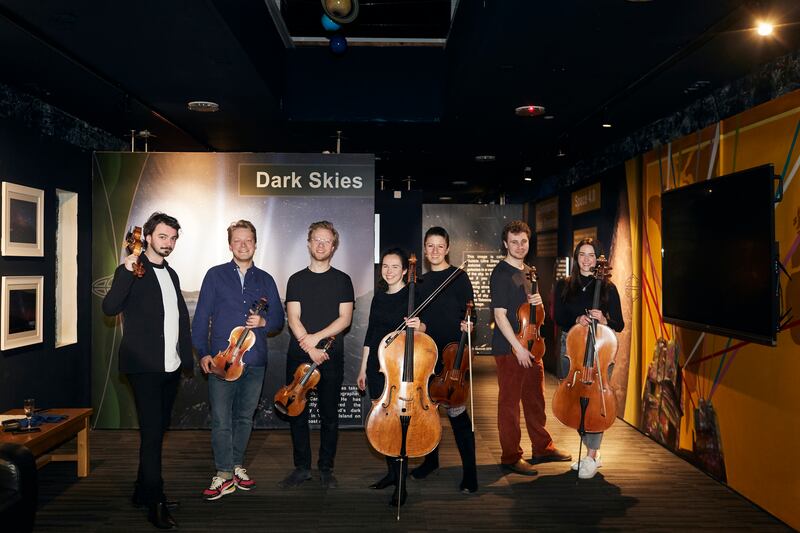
(385, 314)
(444, 314)
(142, 307)
(567, 312)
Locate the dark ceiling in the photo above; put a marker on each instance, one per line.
(426, 85)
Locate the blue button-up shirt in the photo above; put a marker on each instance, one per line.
(224, 303)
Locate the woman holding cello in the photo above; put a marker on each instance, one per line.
(574, 309)
(388, 309)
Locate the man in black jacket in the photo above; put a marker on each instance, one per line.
(155, 345)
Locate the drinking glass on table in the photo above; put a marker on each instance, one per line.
(29, 405)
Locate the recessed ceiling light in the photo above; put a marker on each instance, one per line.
(459, 182)
(202, 106)
(445, 198)
(484, 158)
(529, 110)
(549, 117)
(561, 153)
(528, 178)
(606, 124)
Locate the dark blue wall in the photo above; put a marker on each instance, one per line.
(35, 151)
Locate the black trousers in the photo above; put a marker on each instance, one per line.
(154, 393)
(328, 396)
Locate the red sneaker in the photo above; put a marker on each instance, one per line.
(219, 487)
(242, 480)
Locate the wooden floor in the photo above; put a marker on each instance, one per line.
(642, 487)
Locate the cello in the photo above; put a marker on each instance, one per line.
(450, 387)
(291, 399)
(135, 245)
(584, 400)
(530, 319)
(403, 422)
(228, 363)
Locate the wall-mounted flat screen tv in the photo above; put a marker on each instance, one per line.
(719, 256)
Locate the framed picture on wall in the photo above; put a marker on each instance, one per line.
(22, 231)
(21, 308)
(585, 233)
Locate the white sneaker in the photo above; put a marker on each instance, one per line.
(589, 468)
(597, 460)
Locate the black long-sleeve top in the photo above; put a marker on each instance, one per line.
(385, 313)
(142, 307)
(443, 316)
(567, 312)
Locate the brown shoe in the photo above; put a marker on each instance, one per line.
(521, 467)
(553, 456)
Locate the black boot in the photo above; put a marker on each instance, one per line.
(465, 440)
(430, 464)
(389, 479)
(400, 488)
(160, 517)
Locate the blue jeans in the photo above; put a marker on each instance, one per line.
(233, 404)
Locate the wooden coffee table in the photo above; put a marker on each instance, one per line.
(52, 435)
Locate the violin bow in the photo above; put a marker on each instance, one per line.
(427, 300)
(469, 358)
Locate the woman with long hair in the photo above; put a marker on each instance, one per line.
(388, 310)
(573, 308)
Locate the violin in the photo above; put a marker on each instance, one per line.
(584, 400)
(228, 363)
(134, 244)
(530, 319)
(291, 399)
(404, 422)
(450, 387)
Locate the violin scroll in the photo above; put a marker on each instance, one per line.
(135, 245)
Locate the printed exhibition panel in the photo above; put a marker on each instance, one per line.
(281, 194)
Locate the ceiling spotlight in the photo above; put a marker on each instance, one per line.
(203, 107)
(528, 178)
(606, 124)
(764, 28)
(459, 183)
(484, 158)
(549, 117)
(529, 111)
(445, 198)
(561, 153)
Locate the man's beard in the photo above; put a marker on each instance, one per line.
(163, 252)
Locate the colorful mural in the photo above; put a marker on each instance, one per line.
(728, 406)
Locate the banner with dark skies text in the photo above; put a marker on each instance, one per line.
(281, 194)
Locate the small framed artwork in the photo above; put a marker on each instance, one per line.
(23, 221)
(21, 308)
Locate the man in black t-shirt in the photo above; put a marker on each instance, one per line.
(520, 377)
(319, 304)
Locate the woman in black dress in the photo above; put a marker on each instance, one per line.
(388, 310)
(573, 308)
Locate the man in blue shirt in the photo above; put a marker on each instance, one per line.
(227, 296)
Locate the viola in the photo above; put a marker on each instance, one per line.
(584, 400)
(228, 364)
(404, 422)
(291, 399)
(450, 387)
(134, 244)
(530, 319)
